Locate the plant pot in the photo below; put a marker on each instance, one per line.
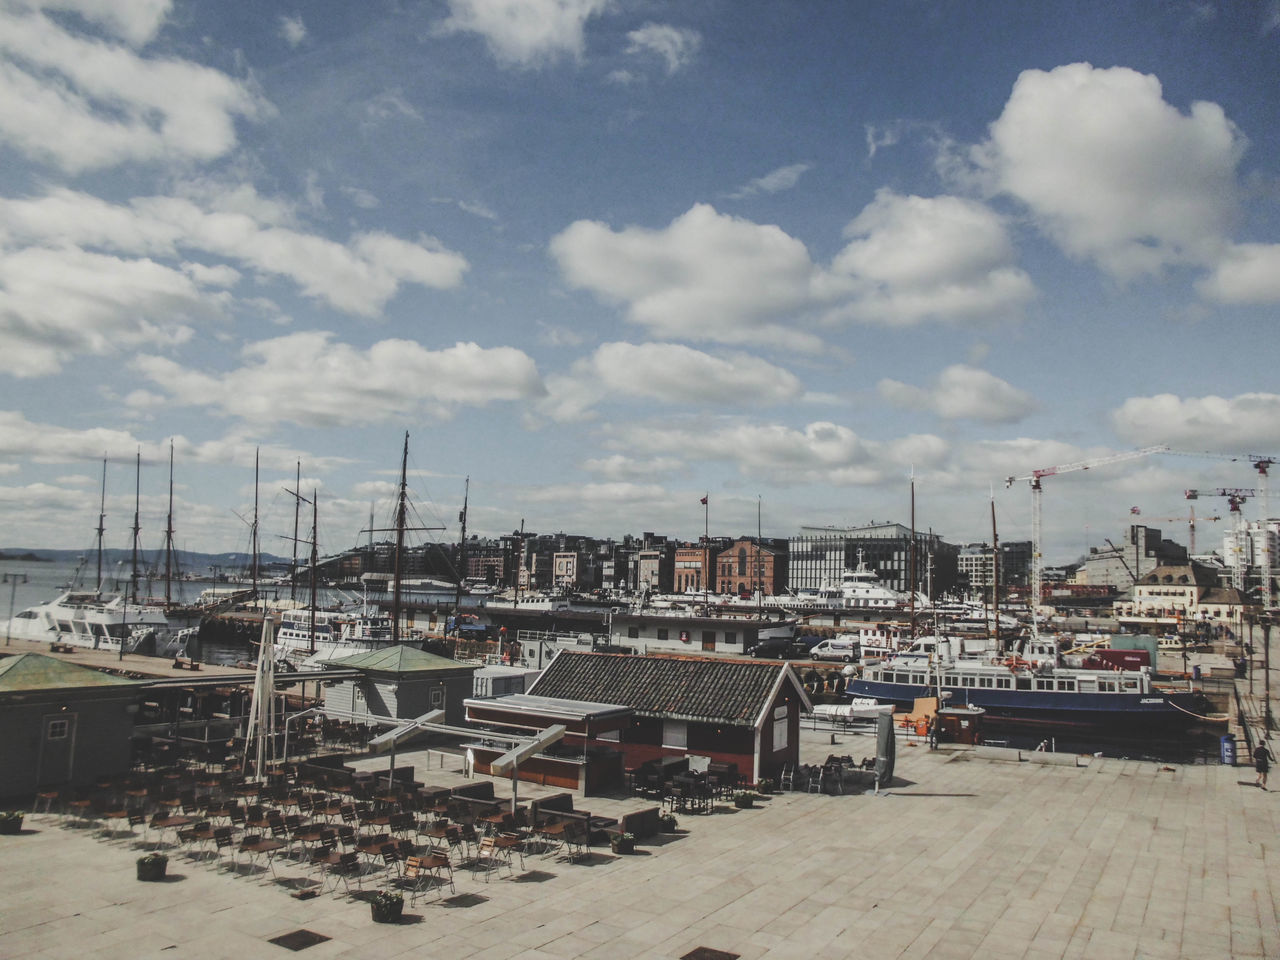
(11, 826)
(623, 846)
(151, 870)
(387, 912)
(743, 803)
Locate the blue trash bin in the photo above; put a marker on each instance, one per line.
(1195, 671)
(1229, 751)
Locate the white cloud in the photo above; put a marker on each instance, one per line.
(525, 33)
(705, 277)
(307, 379)
(667, 372)
(51, 443)
(362, 198)
(818, 453)
(82, 103)
(1246, 423)
(675, 45)
(1111, 171)
(293, 30)
(712, 277)
(963, 392)
(622, 468)
(57, 303)
(784, 178)
(136, 21)
(1247, 273)
(357, 277)
(915, 258)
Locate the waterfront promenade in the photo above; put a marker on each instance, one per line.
(963, 857)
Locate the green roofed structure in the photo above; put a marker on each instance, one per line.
(61, 724)
(402, 682)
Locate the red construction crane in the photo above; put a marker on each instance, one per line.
(1035, 477)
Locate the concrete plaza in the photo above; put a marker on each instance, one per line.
(963, 857)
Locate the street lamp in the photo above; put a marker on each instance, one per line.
(13, 579)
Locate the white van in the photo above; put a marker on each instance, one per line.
(837, 648)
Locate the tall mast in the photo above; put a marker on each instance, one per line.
(102, 515)
(911, 564)
(462, 555)
(168, 537)
(759, 563)
(995, 581)
(706, 549)
(401, 510)
(315, 537)
(137, 496)
(293, 570)
(253, 563)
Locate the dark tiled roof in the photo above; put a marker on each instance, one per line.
(716, 690)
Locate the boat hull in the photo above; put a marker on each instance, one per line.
(1156, 711)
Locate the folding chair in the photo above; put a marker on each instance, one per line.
(491, 856)
(575, 838)
(344, 866)
(787, 780)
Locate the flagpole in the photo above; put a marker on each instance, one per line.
(706, 550)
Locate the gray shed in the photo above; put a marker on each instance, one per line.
(62, 724)
(401, 682)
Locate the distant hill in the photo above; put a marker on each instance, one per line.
(188, 561)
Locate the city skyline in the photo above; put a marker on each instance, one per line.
(605, 258)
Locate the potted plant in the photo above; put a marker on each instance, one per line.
(386, 906)
(744, 800)
(152, 866)
(667, 822)
(765, 786)
(623, 842)
(10, 821)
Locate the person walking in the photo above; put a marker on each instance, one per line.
(1262, 762)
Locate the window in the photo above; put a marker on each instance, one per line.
(675, 733)
(633, 633)
(1024, 683)
(967, 681)
(917, 678)
(58, 729)
(780, 734)
(662, 633)
(1003, 683)
(950, 680)
(985, 681)
(437, 698)
(613, 736)
(730, 636)
(1069, 685)
(1044, 684)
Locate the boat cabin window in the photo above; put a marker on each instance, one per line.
(950, 680)
(1066, 685)
(633, 633)
(1024, 683)
(968, 680)
(1130, 685)
(1004, 683)
(917, 678)
(1106, 686)
(1044, 684)
(730, 636)
(662, 633)
(27, 615)
(986, 681)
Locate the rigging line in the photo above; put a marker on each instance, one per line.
(1188, 712)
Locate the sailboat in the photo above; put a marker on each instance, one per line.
(90, 619)
(308, 637)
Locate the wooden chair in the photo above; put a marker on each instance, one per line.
(255, 846)
(341, 868)
(491, 856)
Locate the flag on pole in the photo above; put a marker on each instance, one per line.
(1135, 511)
(703, 501)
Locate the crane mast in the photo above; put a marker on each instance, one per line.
(1035, 477)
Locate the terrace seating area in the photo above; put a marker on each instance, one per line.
(670, 781)
(329, 827)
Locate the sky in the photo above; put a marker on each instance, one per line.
(602, 258)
